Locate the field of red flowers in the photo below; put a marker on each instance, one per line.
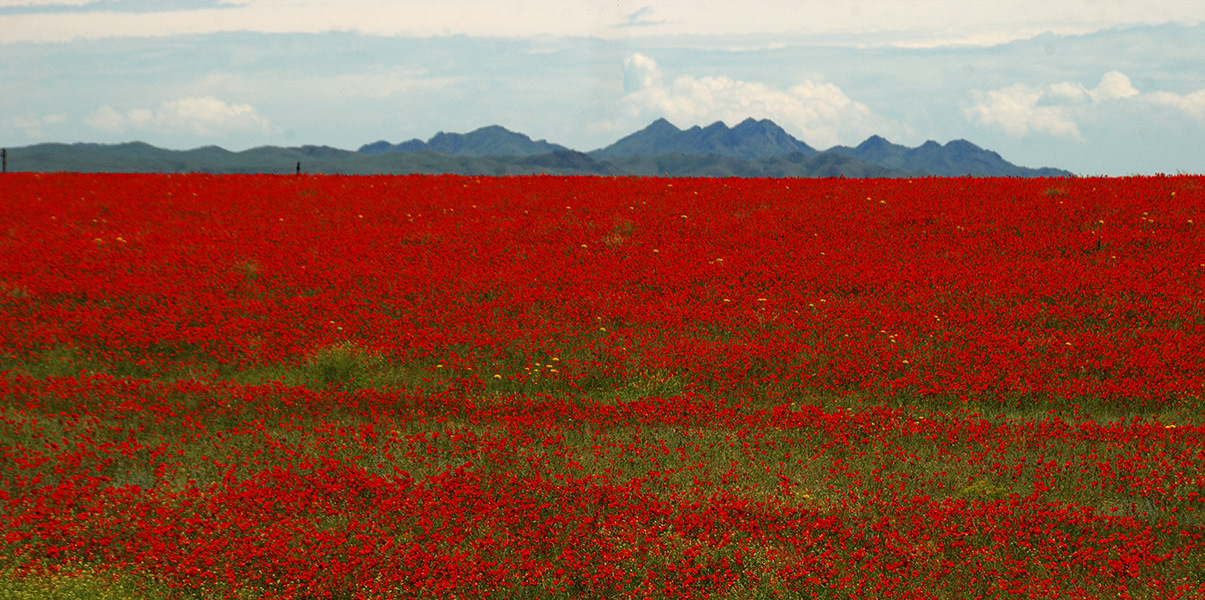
(539, 387)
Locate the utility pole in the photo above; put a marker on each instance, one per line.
(4, 160)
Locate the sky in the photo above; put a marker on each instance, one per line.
(1098, 87)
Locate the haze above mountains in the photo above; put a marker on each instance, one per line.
(753, 148)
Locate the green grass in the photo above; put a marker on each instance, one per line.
(86, 584)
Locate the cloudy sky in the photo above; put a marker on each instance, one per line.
(1112, 87)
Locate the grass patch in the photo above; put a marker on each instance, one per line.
(345, 366)
(87, 584)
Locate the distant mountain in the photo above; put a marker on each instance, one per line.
(567, 161)
(138, 157)
(749, 140)
(751, 149)
(790, 165)
(761, 140)
(956, 158)
(487, 141)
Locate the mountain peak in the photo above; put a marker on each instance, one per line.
(662, 126)
(750, 139)
(874, 141)
(961, 145)
(751, 126)
(491, 140)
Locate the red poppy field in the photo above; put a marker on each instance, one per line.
(545, 387)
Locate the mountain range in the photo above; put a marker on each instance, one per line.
(753, 148)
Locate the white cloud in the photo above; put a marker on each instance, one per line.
(1015, 110)
(871, 22)
(204, 116)
(1020, 109)
(1067, 91)
(208, 116)
(1113, 86)
(1192, 104)
(640, 73)
(42, 3)
(821, 112)
(107, 118)
(35, 127)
